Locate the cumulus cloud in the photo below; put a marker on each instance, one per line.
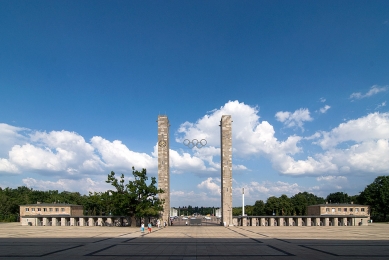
(64, 153)
(331, 178)
(373, 90)
(7, 167)
(84, 185)
(295, 119)
(371, 127)
(56, 152)
(117, 155)
(186, 162)
(324, 109)
(10, 135)
(358, 146)
(211, 184)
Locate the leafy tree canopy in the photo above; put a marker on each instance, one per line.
(376, 195)
(135, 198)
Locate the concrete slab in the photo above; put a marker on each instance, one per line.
(194, 242)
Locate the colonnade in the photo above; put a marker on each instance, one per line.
(301, 221)
(75, 221)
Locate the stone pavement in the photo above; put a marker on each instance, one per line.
(194, 242)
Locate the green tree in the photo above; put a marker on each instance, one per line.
(302, 200)
(136, 199)
(338, 197)
(259, 208)
(237, 211)
(285, 205)
(272, 206)
(376, 195)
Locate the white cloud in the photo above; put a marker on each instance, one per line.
(211, 185)
(322, 100)
(186, 162)
(295, 119)
(64, 153)
(371, 127)
(8, 167)
(383, 104)
(83, 186)
(331, 178)
(324, 109)
(255, 190)
(57, 152)
(117, 155)
(185, 198)
(10, 135)
(373, 90)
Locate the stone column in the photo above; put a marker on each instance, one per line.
(226, 169)
(271, 222)
(91, 222)
(54, 221)
(299, 222)
(163, 166)
(45, 222)
(262, 222)
(63, 221)
(244, 221)
(308, 224)
(281, 220)
(99, 221)
(344, 221)
(326, 222)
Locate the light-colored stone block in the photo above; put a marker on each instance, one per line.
(163, 166)
(226, 169)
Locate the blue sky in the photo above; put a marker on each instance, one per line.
(306, 82)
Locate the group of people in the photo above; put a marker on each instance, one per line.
(142, 226)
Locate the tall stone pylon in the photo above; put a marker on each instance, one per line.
(163, 165)
(226, 169)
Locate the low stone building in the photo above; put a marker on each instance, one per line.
(37, 214)
(339, 210)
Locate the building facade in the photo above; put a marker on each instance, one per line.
(339, 210)
(30, 213)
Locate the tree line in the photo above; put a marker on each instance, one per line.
(138, 198)
(376, 195)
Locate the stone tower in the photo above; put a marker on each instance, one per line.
(226, 169)
(163, 165)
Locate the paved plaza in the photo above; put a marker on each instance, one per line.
(194, 242)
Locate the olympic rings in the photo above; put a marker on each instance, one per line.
(195, 143)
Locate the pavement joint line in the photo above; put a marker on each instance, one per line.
(283, 251)
(279, 239)
(102, 249)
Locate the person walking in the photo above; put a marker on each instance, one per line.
(142, 227)
(149, 227)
